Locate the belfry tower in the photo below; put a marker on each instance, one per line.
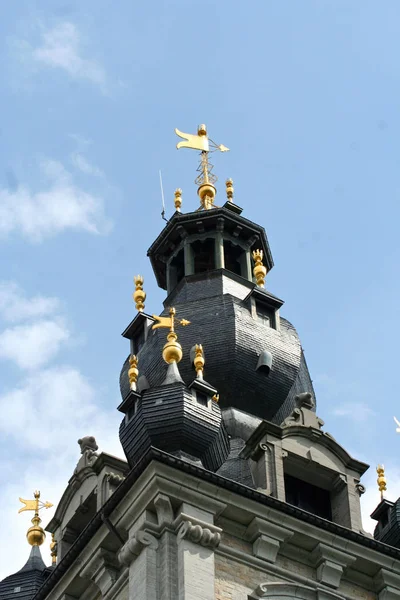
(232, 489)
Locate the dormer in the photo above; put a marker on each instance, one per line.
(95, 478)
(302, 465)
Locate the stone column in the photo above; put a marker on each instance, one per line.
(219, 251)
(189, 258)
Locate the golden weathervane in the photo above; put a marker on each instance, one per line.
(172, 351)
(206, 177)
(35, 534)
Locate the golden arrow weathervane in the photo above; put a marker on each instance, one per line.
(172, 351)
(206, 178)
(35, 534)
(35, 504)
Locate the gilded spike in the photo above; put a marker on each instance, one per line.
(139, 295)
(178, 199)
(35, 534)
(381, 481)
(199, 360)
(229, 189)
(259, 270)
(172, 351)
(53, 550)
(215, 398)
(133, 372)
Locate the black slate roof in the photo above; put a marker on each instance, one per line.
(24, 584)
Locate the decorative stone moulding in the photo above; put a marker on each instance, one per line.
(197, 531)
(287, 590)
(199, 535)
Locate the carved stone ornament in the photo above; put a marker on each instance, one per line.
(303, 413)
(114, 478)
(360, 488)
(88, 450)
(134, 546)
(293, 590)
(199, 535)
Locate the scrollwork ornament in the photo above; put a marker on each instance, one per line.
(361, 489)
(199, 535)
(135, 545)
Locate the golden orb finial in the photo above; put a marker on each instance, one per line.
(202, 130)
(229, 190)
(139, 295)
(199, 360)
(35, 534)
(259, 270)
(178, 199)
(172, 351)
(133, 371)
(381, 481)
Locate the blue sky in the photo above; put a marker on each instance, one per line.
(306, 96)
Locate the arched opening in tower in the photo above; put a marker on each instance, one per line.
(204, 255)
(234, 257)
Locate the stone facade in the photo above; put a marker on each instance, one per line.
(174, 533)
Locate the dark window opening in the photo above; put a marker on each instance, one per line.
(309, 497)
(233, 257)
(202, 398)
(133, 410)
(138, 341)
(178, 267)
(204, 255)
(384, 519)
(265, 315)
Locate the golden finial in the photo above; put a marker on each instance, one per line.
(381, 481)
(133, 371)
(178, 199)
(172, 351)
(215, 397)
(139, 295)
(259, 270)
(229, 190)
(206, 178)
(35, 534)
(53, 550)
(199, 360)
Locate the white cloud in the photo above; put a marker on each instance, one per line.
(357, 411)
(58, 401)
(61, 49)
(59, 207)
(46, 416)
(33, 345)
(15, 306)
(43, 416)
(81, 163)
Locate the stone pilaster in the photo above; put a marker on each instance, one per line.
(197, 538)
(140, 554)
(102, 568)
